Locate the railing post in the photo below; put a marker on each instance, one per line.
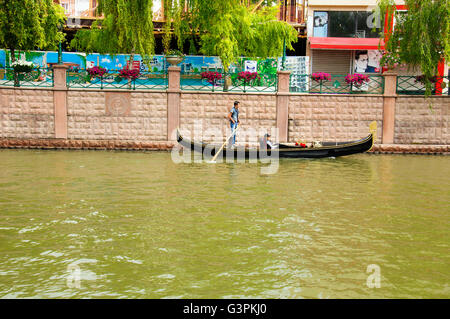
(389, 100)
(60, 100)
(283, 105)
(173, 102)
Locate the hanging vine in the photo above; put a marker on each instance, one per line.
(126, 28)
(420, 38)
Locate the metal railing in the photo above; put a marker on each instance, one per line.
(80, 78)
(336, 84)
(414, 85)
(37, 77)
(228, 82)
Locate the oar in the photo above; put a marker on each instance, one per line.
(223, 145)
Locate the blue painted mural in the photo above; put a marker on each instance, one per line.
(158, 64)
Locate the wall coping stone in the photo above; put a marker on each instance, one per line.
(49, 88)
(233, 93)
(115, 90)
(220, 92)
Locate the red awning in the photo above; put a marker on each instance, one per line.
(345, 43)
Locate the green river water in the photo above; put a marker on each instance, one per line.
(137, 225)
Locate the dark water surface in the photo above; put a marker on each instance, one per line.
(137, 225)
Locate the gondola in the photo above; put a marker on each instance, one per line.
(286, 150)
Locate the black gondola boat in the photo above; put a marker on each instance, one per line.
(285, 150)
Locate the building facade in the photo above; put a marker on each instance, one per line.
(344, 36)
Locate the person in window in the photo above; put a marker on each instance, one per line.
(361, 61)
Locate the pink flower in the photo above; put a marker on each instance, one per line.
(248, 76)
(132, 74)
(321, 76)
(357, 79)
(211, 76)
(96, 71)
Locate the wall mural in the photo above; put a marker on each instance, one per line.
(190, 65)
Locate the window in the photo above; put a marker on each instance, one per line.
(346, 24)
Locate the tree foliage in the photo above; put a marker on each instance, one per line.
(232, 28)
(126, 28)
(30, 24)
(226, 28)
(420, 38)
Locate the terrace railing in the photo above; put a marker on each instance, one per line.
(336, 84)
(413, 85)
(80, 78)
(228, 82)
(37, 77)
(224, 82)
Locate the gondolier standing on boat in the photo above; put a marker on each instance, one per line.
(233, 116)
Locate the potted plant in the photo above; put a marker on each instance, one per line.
(20, 69)
(357, 80)
(248, 77)
(211, 77)
(174, 57)
(96, 71)
(22, 66)
(320, 77)
(130, 74)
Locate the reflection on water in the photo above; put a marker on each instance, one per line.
(137, 225)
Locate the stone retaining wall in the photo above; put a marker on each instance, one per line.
(145, 119)
(126, 116)
(422, 121)
(332, 117)
(257, 112)
(26, 113)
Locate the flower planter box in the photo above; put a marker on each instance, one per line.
(174, 59)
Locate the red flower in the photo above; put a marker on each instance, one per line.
(132, 74)
(321, 76)
(248, 76)
(211, 77)
(96, 71)
(357, 79)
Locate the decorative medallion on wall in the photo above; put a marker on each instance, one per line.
(117, 103)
